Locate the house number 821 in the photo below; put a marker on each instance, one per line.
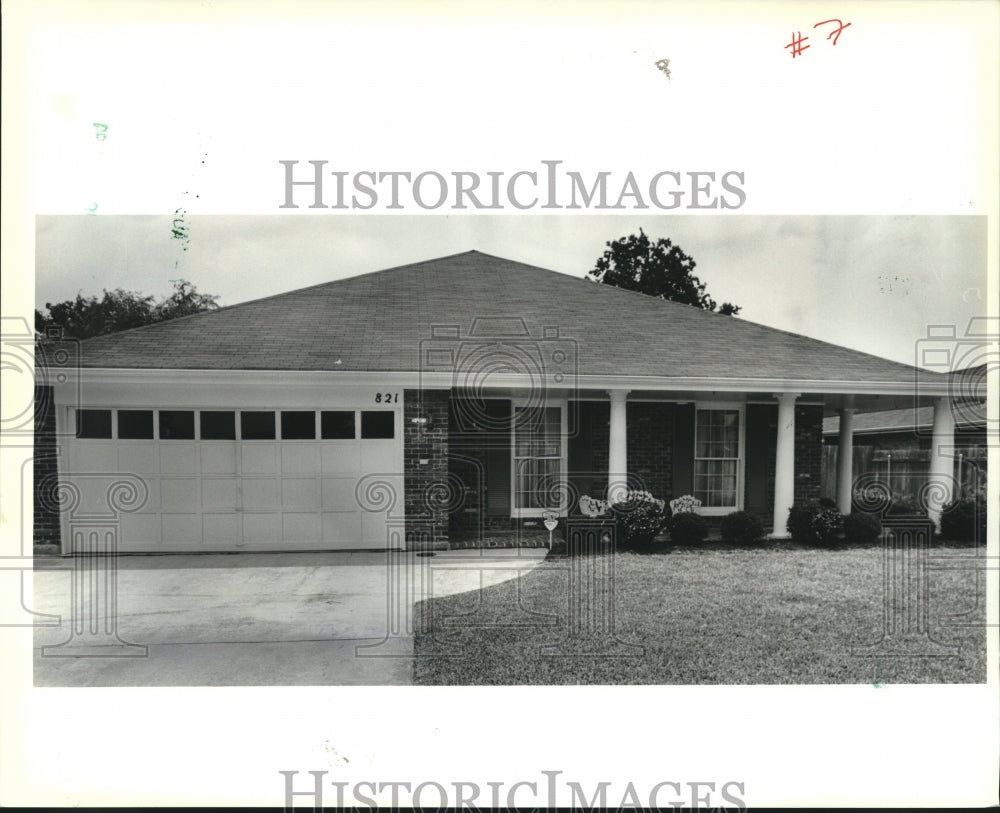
(387, 398)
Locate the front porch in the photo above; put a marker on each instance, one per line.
(481, 471)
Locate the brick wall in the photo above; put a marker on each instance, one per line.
(46, 517)
(650, 446)
(426, 484)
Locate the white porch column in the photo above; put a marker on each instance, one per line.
(941, 482)
(784, 463)
(618, 446)
(845, 461)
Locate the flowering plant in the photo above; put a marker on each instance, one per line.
(634, 497)
(686, 504)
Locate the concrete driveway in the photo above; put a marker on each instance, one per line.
(283, 619)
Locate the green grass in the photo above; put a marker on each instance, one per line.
(738, 616)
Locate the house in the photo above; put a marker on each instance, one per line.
(448, 397)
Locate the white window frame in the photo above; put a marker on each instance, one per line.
(710, 511)
(563, 406)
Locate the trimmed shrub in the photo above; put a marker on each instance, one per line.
(861, 528)
(964, 520)
(800, 517)
(811, 523)
(741, 528)
(639, 517)
(688, 529)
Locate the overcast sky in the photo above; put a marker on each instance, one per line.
(873, 283)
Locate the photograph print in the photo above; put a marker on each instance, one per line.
(538, 450)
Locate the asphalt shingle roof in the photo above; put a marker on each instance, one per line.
(900, 420)
(377, 320)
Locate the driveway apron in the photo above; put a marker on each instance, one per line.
(283, 619)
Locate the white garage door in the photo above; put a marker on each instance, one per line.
(234, 479)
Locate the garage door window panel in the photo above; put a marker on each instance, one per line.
(378, 424)
(93, 424)
(176, 424)
(298, 425)
(135, 424)
(257, 426)
(218, 425)
(337, 425)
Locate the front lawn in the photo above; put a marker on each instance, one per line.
(751, 616)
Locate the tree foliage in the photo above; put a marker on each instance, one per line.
(658, 269)
(184, 301)
(85, 317)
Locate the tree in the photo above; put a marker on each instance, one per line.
(85, 317)
(184, 301)
(658, 269)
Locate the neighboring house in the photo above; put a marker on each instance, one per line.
(895, 445)
(449, 397)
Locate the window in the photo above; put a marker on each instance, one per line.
(378, 424)
(176, 424)
(93, 423)
(218, 425)
(337, 425)
(257, 425)
(539, 454)
(718, 456)
(135, 424)
(298, 425)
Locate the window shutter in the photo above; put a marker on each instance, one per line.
(683, 451)
(759, 450)
(498, 459)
